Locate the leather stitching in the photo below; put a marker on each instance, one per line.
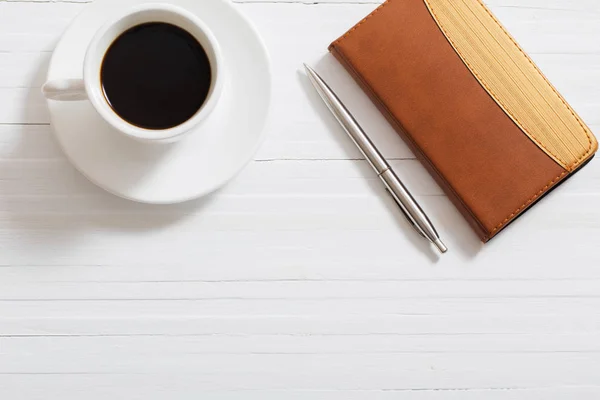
(560, 176)
(518, 210)
(360, 23)
(570, 167)
(398, 126)
(491, 92)
(562, 100)
(589, 150)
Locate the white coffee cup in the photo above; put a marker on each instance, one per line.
(90, 87)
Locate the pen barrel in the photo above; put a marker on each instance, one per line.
(409, 205)
(363, 142)
(350, 125)
(406, 202)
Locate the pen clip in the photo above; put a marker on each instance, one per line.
(408, 218)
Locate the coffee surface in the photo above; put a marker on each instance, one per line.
(156, 76)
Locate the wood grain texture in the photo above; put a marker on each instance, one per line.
(299, 280)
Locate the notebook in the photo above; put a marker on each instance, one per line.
(471, 104)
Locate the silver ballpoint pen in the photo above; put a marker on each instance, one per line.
(409, 206)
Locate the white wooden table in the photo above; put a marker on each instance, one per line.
(300, 280)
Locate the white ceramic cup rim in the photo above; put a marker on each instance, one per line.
(157, 12)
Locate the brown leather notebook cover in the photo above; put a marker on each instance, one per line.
(470, 103)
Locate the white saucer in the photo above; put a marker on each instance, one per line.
(200, 163)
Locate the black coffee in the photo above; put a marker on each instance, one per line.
(156, 76)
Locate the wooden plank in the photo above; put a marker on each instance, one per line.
(307, 371)
(159, 386)
(474, 324)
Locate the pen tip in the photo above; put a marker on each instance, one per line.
(440, 246)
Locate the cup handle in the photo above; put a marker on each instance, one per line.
(65, 90)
